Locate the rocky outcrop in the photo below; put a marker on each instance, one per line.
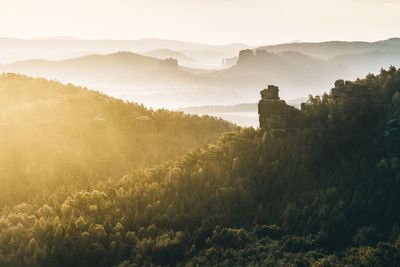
(350, 92)
(246, 57)
(275, 116)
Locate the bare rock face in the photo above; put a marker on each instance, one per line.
(275, 115)
(271, 93)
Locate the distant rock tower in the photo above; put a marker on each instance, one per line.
(245, 57)
(169, 64)
(275, 115)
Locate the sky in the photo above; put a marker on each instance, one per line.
(253, 22)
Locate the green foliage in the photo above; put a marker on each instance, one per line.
(56, 137)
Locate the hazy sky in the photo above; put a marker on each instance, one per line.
(208, 21)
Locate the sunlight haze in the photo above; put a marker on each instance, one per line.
(218, 22)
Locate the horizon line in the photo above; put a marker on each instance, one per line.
(72, 38)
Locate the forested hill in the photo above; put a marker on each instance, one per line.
(55, 136)
(325, 194)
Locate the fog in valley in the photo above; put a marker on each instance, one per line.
(180, 75)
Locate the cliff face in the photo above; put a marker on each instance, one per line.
(275, 115)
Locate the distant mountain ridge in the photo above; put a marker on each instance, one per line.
(92, 67)
(359, 58)
(330, 49)
(145, 43)
(297, 74)
(65, 47)
(167, 53)
(299, 69)
(293, 71)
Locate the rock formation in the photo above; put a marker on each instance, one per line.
(169, 64)
(246, 57)
(275, 115)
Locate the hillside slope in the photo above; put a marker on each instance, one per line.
(91, 67)
(61, 136)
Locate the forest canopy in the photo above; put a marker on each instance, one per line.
(55, 136)
(325, 194)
